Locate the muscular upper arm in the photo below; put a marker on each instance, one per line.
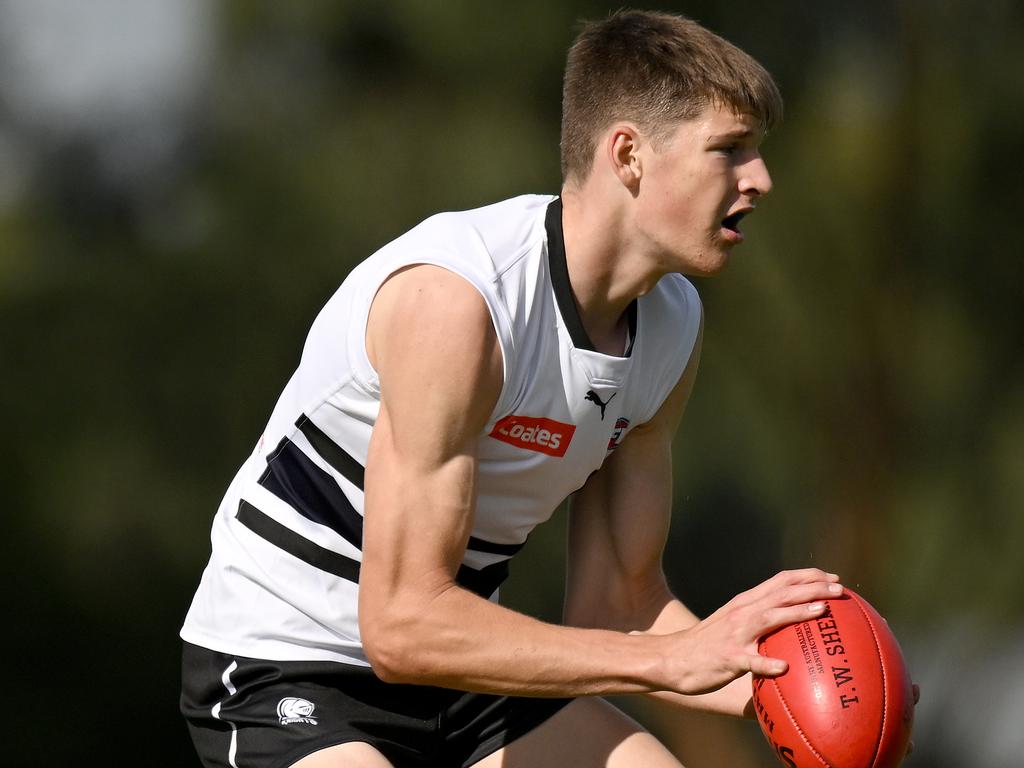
(432, 342)
(618, 523)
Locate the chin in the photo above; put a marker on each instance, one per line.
(702, 260)
(709, 266)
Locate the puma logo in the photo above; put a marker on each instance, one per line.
(593, 397)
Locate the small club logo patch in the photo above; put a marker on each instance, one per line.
(295, 710)
(620, 427)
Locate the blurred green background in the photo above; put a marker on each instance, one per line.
(183, 183)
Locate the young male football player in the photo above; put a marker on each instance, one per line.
(463, 381)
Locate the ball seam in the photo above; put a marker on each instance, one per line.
(881, 665)
(796, 725)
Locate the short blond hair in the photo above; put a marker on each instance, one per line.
(655, 69)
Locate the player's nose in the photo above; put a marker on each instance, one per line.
(756, 180)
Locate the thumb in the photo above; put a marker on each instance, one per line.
(764, 666)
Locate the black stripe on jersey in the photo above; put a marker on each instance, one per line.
(479, 545)
(559, 270)
(295, 545)
(296, 479)
(342, 461)
(483, 582)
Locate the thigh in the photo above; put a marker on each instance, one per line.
(589, 733)
(355, 754)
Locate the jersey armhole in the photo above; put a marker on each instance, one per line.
(366, 375)
(683, 302)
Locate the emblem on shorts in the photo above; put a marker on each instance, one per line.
(294, 710)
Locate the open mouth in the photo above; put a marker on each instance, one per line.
(732, 221)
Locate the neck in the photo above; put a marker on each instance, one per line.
(605, 271)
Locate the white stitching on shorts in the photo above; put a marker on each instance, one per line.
(215, 712)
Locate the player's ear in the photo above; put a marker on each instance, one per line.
(623, 144)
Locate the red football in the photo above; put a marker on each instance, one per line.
(846, 699)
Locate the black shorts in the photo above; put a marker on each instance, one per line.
(251, 713)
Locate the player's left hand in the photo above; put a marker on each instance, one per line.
(917, 697)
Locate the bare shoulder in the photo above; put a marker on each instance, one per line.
(430, 332)
(428, 303)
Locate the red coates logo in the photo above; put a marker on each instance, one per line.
(535, 434)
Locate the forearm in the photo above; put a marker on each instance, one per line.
(654, 611)
(418, 626)
(459, 640)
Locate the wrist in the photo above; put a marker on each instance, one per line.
(657, 659)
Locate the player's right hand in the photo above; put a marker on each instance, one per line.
(723, 646)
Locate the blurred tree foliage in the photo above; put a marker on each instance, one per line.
(861, 401)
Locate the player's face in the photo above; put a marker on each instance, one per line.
(697, 186)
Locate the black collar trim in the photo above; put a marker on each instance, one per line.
(559, 270)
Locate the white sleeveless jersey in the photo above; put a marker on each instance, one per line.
(283, 579)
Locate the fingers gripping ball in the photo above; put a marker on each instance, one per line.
(846, 700)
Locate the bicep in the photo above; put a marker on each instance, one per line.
(431, 341)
